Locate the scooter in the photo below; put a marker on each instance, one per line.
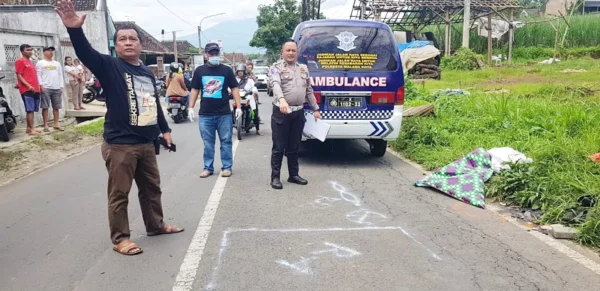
(244, 123)
(176, 108)
(8, 121)
(93, 91)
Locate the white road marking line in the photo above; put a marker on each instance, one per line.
(191, 262)
(553, 243)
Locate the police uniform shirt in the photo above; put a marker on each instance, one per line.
(292, 82)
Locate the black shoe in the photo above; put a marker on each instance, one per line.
(276, 184)
(297, 180)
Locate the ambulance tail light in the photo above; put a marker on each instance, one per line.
(318, 97)
(400, 96)
(382, 98)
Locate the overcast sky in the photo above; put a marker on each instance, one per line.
(153, 17)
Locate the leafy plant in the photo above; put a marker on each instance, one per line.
(464, 60)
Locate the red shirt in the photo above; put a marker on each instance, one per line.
(25, 68)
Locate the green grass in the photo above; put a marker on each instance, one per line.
(551, 116)
(584, 31)
(93, 129)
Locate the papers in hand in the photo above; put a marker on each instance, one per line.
(315, 128)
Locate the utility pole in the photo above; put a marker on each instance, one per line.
(363, 9)
(175, 45)
(319, 11)
(466, 24)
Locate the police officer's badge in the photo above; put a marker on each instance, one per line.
(346, 39)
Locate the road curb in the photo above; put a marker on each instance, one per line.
(89, 122)
(582, 257)
(4, 183)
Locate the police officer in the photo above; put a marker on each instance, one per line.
(291, 87)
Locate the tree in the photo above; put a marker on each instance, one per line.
(276, 23)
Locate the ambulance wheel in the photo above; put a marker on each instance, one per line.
(378, 147)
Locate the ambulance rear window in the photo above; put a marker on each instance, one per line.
(347, 48)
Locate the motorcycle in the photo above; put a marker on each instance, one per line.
(244, 123)
(161, 86)
(177, 109)
(93, 91)
(8, 121)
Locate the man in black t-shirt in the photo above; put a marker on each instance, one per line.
(134, 120)
(213, 79)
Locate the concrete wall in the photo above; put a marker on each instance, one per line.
(39, 27)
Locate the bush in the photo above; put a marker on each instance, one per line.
(464, 60)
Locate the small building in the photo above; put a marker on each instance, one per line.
(31, 24)
(235, 58)
(186, 53)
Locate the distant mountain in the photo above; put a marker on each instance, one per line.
(236, 35)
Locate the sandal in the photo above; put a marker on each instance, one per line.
(205, 174)
(128, 248)
(167, 229)
(226, 174)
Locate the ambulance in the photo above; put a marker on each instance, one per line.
(357, 77)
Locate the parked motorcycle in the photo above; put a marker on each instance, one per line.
(176, 108)
(8, 121)
(93, 91)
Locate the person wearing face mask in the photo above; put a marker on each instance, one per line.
(210, 82)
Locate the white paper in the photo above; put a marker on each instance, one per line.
(316, 128)
(252, 102)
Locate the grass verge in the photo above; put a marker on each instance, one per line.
(93, 129)
(549, 115)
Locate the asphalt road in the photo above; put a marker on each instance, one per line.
(358, 225)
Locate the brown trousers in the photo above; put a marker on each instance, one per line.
(124, 164)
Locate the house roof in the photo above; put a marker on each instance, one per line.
(149, 43)
(237, 57)
(411, 14)
(182, 46)
(80, 5)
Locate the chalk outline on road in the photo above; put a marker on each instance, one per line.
(191, 262)
(225, 242)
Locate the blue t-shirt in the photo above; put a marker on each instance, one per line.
(213, 83)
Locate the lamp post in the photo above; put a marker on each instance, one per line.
(200, 29)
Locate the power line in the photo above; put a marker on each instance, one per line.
(163, 5)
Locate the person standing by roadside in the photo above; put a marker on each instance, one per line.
(291, 87)
(134, 121)
(28, 85)
(52, 83)
(82, 72)
(212, 80)
(73, 83)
